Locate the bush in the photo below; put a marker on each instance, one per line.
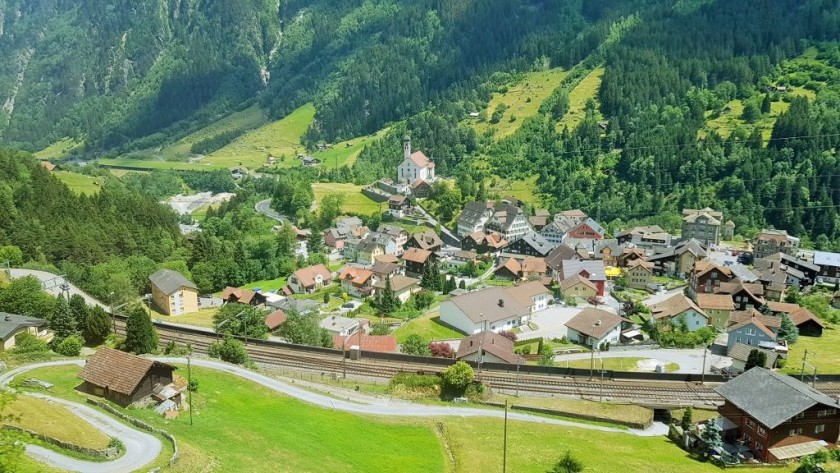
(457, 378)
(193, 385)
(380, 329)
(413, 380)
(508, 334)
(441, 350)
(70, 346)
(26, 343)
(229, 350)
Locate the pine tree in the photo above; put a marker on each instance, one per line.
(388, 301)
(428, 280)
(79, 309)
(140, 335)
(96, 326)
(788, 331)
(463, 284)
(756, 358)
(711, 436)
(766, 104)
(687, 420)
(62, 322)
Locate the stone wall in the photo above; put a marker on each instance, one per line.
(109, 452)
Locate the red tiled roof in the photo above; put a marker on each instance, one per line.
(306, 276)
(355, 275)
(116, 370)
(275, 319)
(420, 159)
(377, 343)
(416, 255)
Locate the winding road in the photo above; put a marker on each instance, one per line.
(51, 283)
(141, 448)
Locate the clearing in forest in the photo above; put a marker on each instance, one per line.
(587, 89)
(354, 201)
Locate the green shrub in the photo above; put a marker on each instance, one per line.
(413, 380)
(70, 346)
(26, 343)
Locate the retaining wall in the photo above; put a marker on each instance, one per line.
(109, 452)
(575, 415)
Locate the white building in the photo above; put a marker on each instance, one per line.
(415, 165)
(341, 326)
(495, 308)
(594, 328)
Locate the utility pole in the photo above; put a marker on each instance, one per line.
(601, 396)
(592, 361)
(189, 386)
(504, 452)
(517, 380)
(804, 358)
(703, 370)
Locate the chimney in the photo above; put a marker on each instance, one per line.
(8, 317)
(501, 302)
(598, 323)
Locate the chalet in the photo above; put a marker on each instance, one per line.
(386, 258)
(535, 269)
(374, 245)
(650, 236)
(397, 205)
(628, 255)
(48, 166)
(829, 264)
(426, 240)
(770, 242)
(172, 293)
(578, 287)
(745, 296)
(12, 325)
(531, 244)
(752, 328)
(399, 234)
(510, 221)
(678, 309)
(740, 354)
(462, 257)
(560, 253)
(123, 378)
(797, 272)
(608, 251)
(275, 319)
(357, 282)
(308, 280)
(778, 417)
(481, 243)
(243, 296)
(702, 225)
(554, 232)
(385, 270)
(415, 165)
(474, 217)
(402, 286)
(592, 270)
(639, 274)
(594, 328)
(539, 220)
(718, 307)
(363, 342)
(420, 188)
(707, 276)
(494, 308)
(805, 320)
(588, 229)
(509, 270)
(678, 260)
(488, 347)
(743, 273)
(415, 261)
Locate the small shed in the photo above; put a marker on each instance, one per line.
(123, 378)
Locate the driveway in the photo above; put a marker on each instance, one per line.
(690, 360)
(141, 448)
(661, 296)
(551, 322)
(53, 284)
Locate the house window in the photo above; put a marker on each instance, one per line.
(826, 412)
(750, 331)
(750, 423)
(758, 447)
(801, 415)
(762, 431)
(818, 429)
(794, 432)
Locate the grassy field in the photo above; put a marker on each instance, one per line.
(429, 327)
(346, 152)
(79, 183)
(151, 164)
(249, 118)
(522, 189)
(615, 364)
(55, 421)
(823, 353)
(522, 99)
(276, 139)
(57, 150)
(585, 90)
(614, 412)
(268, 285)
(354, 201)
(202, 318)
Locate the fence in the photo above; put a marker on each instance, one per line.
(110, 452)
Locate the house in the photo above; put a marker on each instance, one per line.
(426, 240)
(172, 293)
(795, 271)
(402, 286)
(480, 242)
(415, 165)
(420, 188)
(531, 244)
(608, 251)
(50, 167)
(678, 260)
(745, 296)
(592, 270)
(589, 229)
(579, 287)
(743, 273)
(535, 269)
(243, 296)
(275, 319)
(474, 217)
(718, 307)
(829, 264)
(770, 242)
(384, 269)
(594, 328)
(123, 378)
(415, 261)
(703, 225)
(301, 306)
(805, 320)
(308, 280)
(539, 220)
(364, 342)
(510, 221)
(630, 254)
(778, 417)
(740, 354)
(374, 245)
(494, 308)
(399, 234)
(12, 325)
(560, 253)
(342, 326)
(752, 328)
(650, 236)
(509, 270)
(639, 274)
(462, 257)
(357, 282)
(554, 232)
(574, 213)
(707, 277)
(678, 309)
(488, 347)
(397, 205)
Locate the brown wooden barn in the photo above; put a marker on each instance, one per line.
(123, 378)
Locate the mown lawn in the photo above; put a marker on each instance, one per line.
(614, 364)
(523, 190)
(429, 327)
(614, 412)
(346, 152)
(153, 163)
(79, 183)
(248, 118)
(55, 421)
(57, 150)
(522, 99)
(587, 89)
(202, 318)
(354, 201)
(823, 353)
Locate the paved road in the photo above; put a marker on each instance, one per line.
(264, 207)
(690, 360)
(448, 237)
(141, 448)
(55, 290)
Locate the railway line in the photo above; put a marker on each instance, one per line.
(652, 392)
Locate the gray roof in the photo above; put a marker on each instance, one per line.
(743, 273)
(824, 258)
(537, 242)
(301, 306)
(491, 304)
(472, 213)
(771, 398)
(169, 281)
(595, 268)
(11, 324)
(741, 352)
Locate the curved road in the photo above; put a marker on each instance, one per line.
(141, 448)
(53, 288)
(264, 207)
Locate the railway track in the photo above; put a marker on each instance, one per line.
(664, 392)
